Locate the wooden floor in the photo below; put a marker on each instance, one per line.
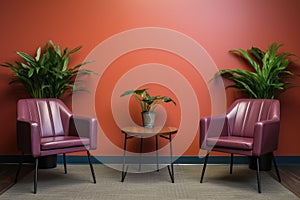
(8, 172)
(290, 176)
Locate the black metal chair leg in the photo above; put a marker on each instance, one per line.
(276, 168)
(91, 166)
(258, 175)
(36, 174)
(171, 172)
(231, 163)
(65, 163)
(19, 168)
(204, 167)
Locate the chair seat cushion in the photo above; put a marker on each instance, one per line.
(63, 142)
(231, 142)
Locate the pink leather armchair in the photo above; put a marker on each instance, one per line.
(251, 128)
(47, 127)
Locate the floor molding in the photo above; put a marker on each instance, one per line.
(281, 160)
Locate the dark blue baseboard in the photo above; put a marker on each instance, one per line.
(281, 160)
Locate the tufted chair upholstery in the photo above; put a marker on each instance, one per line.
(47, 127)
(250, 127)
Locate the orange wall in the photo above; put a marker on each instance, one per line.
(217, 25)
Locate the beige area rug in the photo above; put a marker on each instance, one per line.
(217, 184)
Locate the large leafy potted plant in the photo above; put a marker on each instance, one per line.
(266, 79)
(268, 75)
(47, 74)
(148, 104)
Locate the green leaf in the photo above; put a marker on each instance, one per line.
(79, 65)
(128, 92)
(30, 72)
(26, 57)
(52, 44)
(65, 64)
(38, 54)
(75, 50)
(58, 51)
(24, 66)
(131, 92)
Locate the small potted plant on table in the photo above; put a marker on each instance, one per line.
(148, 104)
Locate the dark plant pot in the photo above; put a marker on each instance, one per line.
(265, 162)
(148, 119)
(47, 162)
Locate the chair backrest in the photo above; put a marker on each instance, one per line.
(244, 113)
(51, 114)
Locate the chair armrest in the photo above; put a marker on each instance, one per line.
(84, 127)
(212, 127)
(266, 135)
(28, 137)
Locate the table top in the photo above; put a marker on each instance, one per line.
(142, 132)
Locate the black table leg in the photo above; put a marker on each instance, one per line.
(124, 157)
(171, 171)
